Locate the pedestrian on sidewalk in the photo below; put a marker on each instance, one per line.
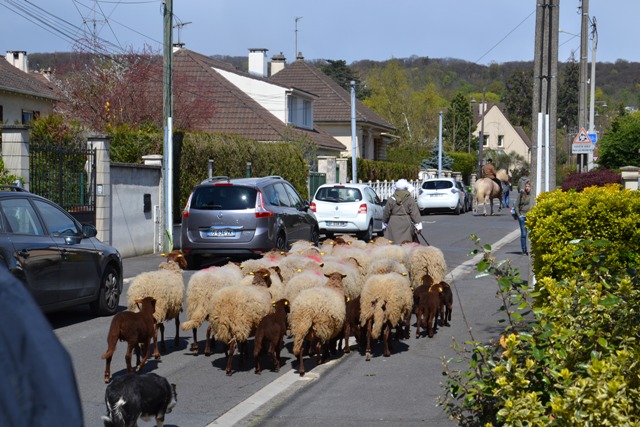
(523, 205)
(401, 214)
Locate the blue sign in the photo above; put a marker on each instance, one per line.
(593, 137)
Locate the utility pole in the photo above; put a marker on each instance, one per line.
(584, 62)
(481, 111)
(167, 104)
(354, 138)
(440, 146)
(545, 97)
(592, 85)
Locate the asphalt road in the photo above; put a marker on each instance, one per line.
(399, 390)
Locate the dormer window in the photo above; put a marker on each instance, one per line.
(300, 112)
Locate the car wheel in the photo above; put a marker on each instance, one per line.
(109, 295)
(315, 236)
(329, 235)
(368, 234)
(281, 242)
(457, 210)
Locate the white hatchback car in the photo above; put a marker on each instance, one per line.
(440, 194)
(348, 209)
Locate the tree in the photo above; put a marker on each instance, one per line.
(518, 98)
(432, 162)
(568, 94)
(342, 74)
(457, 124)
(620, 146)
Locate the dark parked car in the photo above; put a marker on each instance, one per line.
(60, 261)
(242, 218)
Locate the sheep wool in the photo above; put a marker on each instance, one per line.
(293, 264)
(352, 282)
(426, 260)
(165, 285)
(237, 310)
(386, 265)
(306, 279)
(321, 310)
(394, 252)
(201, 287)
(385, 298)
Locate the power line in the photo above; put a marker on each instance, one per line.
(505, 37)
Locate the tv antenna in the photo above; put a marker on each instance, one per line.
(179, 26)
(295, 54)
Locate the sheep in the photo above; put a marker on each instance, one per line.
(394, 252)
(317, 315)
(270, 334)
(386, 265)
(380, 241)
(301, 247)
(166, 286)
(134, 328)
(268, 278)
(348, 240)
(446, 303)
(296, 263)
(362, 257)
(352, 281)
(306, 279)
(385, 301)
(426, 298)
(235, 313)
(201, 287)
(268, 259)
(351, 323)
(426, 260)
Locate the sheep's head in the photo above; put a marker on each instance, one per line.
(276, 269)
(283, 303)
(146, 304)
(335, 280)
(261, 277)
(427, 280)
(177, 257)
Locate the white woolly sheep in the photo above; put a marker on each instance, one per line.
(394, 252)
(268, 259)
(386, 265)
(236, 312)
(353, 280)
(166, 286)
(306, 279)
(362, 256)
(200, 289)
(426, 260)
(294, 264)
(386, 300)
(351, 241)
(318, 315)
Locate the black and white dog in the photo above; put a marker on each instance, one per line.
(134, 396)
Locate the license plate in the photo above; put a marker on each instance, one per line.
(221, 233)
(336, 223)
(436, 195)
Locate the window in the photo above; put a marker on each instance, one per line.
(500, 140)
(485, 140)
(282, 195)
(300, 112)
(28, 116)
(58, 222)
(224, 198)
(296, 201)
(21, 217)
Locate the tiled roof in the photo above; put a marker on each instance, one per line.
(334, 103)
(14, 80)
(233, 110)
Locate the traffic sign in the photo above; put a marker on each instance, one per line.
(593, 137)
(582, 143)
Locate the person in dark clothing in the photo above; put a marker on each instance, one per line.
(523, 205)
(489, 171)
(401, 214)
(38, 382)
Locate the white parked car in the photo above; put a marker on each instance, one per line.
(348, 209)
(440, 195)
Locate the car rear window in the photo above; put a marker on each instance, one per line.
(338, 194)
(437, 185)
(227, 197)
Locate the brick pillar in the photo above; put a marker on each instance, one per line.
(341, 162)
(15, 151)
(101, 144)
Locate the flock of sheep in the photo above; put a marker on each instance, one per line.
(318, 295)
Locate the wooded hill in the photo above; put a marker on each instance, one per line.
(617, 83)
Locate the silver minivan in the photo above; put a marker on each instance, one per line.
(243, 218)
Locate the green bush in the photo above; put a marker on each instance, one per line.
(597, 213)
(372, 170)
(571, 360)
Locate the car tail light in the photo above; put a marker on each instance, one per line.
(362, 209)
(261, 211)
(185, 211)
(223, 184)
(313, 207)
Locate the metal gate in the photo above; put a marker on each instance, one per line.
(316, 179)
(65, 175)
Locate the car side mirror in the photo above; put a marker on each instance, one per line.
(89, 230)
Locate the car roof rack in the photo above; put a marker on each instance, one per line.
(5, 187)
(271, 177)
(216, 178)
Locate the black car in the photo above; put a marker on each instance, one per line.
(242, 218)
(60, 261)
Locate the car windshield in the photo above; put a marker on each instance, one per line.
(437, 185)
(339, 194)
(224, 197)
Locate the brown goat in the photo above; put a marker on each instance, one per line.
(135, 329)
(426, 299)
(446, 304)
(270, 335)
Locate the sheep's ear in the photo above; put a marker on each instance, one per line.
(411, 287)
(180, 256)
(273, 303)
(266, 275)
(299, 270)
(440, 289)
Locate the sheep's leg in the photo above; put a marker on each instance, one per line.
(257, 348)
(418, 321)
(275, 354)
(147, 353)
(300, 363)
(347, 333)
(243, 353)
(107, 370)
(431, 322)
(368, 350)
(194, 344)
(176, 340)
(207, 348)
(386, 336)
(232, 349)
(163, 348)
(448, 314)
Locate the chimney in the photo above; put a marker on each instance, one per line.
(258, 62)
(277, 63)
(18, 58)
(177, 47)
(300, 56)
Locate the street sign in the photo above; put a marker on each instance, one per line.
(582, 143)
(593, 137)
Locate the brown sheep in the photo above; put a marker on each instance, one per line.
(270, 334)
(134, 328)
(426, 298)
(351, 323)
(446, 304)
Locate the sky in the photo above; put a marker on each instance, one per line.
(479, 31)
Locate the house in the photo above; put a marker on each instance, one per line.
(500, 135)
(332, 109)
(248, 104)
(23, 95)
